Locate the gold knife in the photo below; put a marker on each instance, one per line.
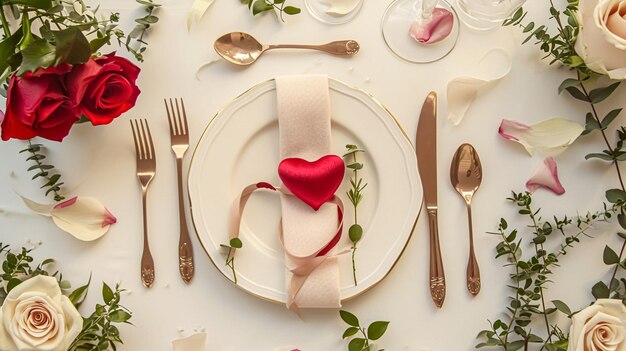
(426, 151)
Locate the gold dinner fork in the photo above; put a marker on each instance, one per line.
(146, 169)
(179, 132)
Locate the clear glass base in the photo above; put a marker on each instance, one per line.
(319, 10)
(395, 26)
(483, 15)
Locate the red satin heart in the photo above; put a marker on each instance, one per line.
(312, 182)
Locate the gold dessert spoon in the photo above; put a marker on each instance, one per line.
(243, 49)
(466, 174)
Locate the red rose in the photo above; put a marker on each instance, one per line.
(38, 106)
(103, 88)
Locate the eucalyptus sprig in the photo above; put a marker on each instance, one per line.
(45, 171)
(233, 245)
(277, 6)
(372, 333)
(355, 195)
(533, 274)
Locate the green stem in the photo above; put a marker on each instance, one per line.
(513, 257)
(606, 140)
(5, 23)
(621, 252)
(354, 264)
(57, 196)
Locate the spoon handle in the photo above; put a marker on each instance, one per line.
(341, 47)
(473, 272)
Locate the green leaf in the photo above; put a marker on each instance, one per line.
(147, 20)
(355, 233)
(609, 256)
(78, 296)
(615, 196)
(621, 219)
(600, 94)
(349, 318)
(591, 124)
(376, 330)
(148, 3)
(356, 344)
(604, 157)
(291, 10)
(349, 332)
(107, 293)
(561, 306)
(516, 345)
(577, 93)
(236, 243)
(71, 46)
(355, 166)
(600, 291)
(119, 316)
(97, 43)
(260, 6)
(606, 121)
(38, 54)
(8, 47)
(13, 282)
(40, 4)
(570, 82)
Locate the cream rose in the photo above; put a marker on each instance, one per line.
(36, 316)
(602, 39)
(599, 327)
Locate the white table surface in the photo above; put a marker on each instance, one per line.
(100, 162)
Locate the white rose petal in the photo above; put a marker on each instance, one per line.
(37, 316)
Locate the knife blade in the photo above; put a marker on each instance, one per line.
(426, 152)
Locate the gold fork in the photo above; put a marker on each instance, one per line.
(146, 169)
(180, 143)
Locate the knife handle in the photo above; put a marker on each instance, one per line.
(437, 277)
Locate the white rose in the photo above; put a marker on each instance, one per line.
(602, 39)
(599, 327)
(36, 316)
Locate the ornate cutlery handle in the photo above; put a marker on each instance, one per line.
(437, 277)
(341, 47)
(185, 251)
(147, 263)
(473, 272)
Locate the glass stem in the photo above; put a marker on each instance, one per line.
(427, 8)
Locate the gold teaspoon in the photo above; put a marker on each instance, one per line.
(466, 174)
(243, 49)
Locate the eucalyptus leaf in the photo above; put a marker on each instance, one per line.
(78, 296)
(291, 10)
(600, 94)
(600, 291)
(610, 256)
(561, 306)
(615, 196)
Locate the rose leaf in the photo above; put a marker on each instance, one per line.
(38, 54)
(71, 46)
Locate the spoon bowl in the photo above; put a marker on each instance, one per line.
(243, 49)
(466, 174)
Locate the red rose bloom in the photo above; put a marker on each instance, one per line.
(103, 88)
(38, 106)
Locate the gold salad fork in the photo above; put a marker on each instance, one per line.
(146, 169)
(179, 132)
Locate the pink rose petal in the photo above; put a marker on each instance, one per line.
(508, 124)
(546, 176)
(550, 137)
(66, 203)
(109, 218)
(434, 29)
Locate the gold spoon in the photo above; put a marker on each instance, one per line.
(243, 49)
(466, 175)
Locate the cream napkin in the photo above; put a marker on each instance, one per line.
(304, 122)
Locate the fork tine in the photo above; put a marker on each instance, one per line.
(132, 126)
(152, 153)
(184, 121)
(144, 140)
(176, 114)
(169, 117)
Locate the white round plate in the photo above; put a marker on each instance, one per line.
(240, 147)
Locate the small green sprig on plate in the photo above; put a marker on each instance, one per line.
(372, 333)
(277, 6)
(355, 195)
(233, 245)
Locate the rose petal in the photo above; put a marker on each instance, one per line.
(195, 342)
(434, 29)
(198, 9)
(341, 7)
(546, 176)
(550, 137)
(462, 91)
(86, 219)
(38, 208)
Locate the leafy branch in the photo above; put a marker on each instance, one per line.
(45, 171)
(533, 274)
(233, 245)
(278, 6)
(372, 333)
(355, 232)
